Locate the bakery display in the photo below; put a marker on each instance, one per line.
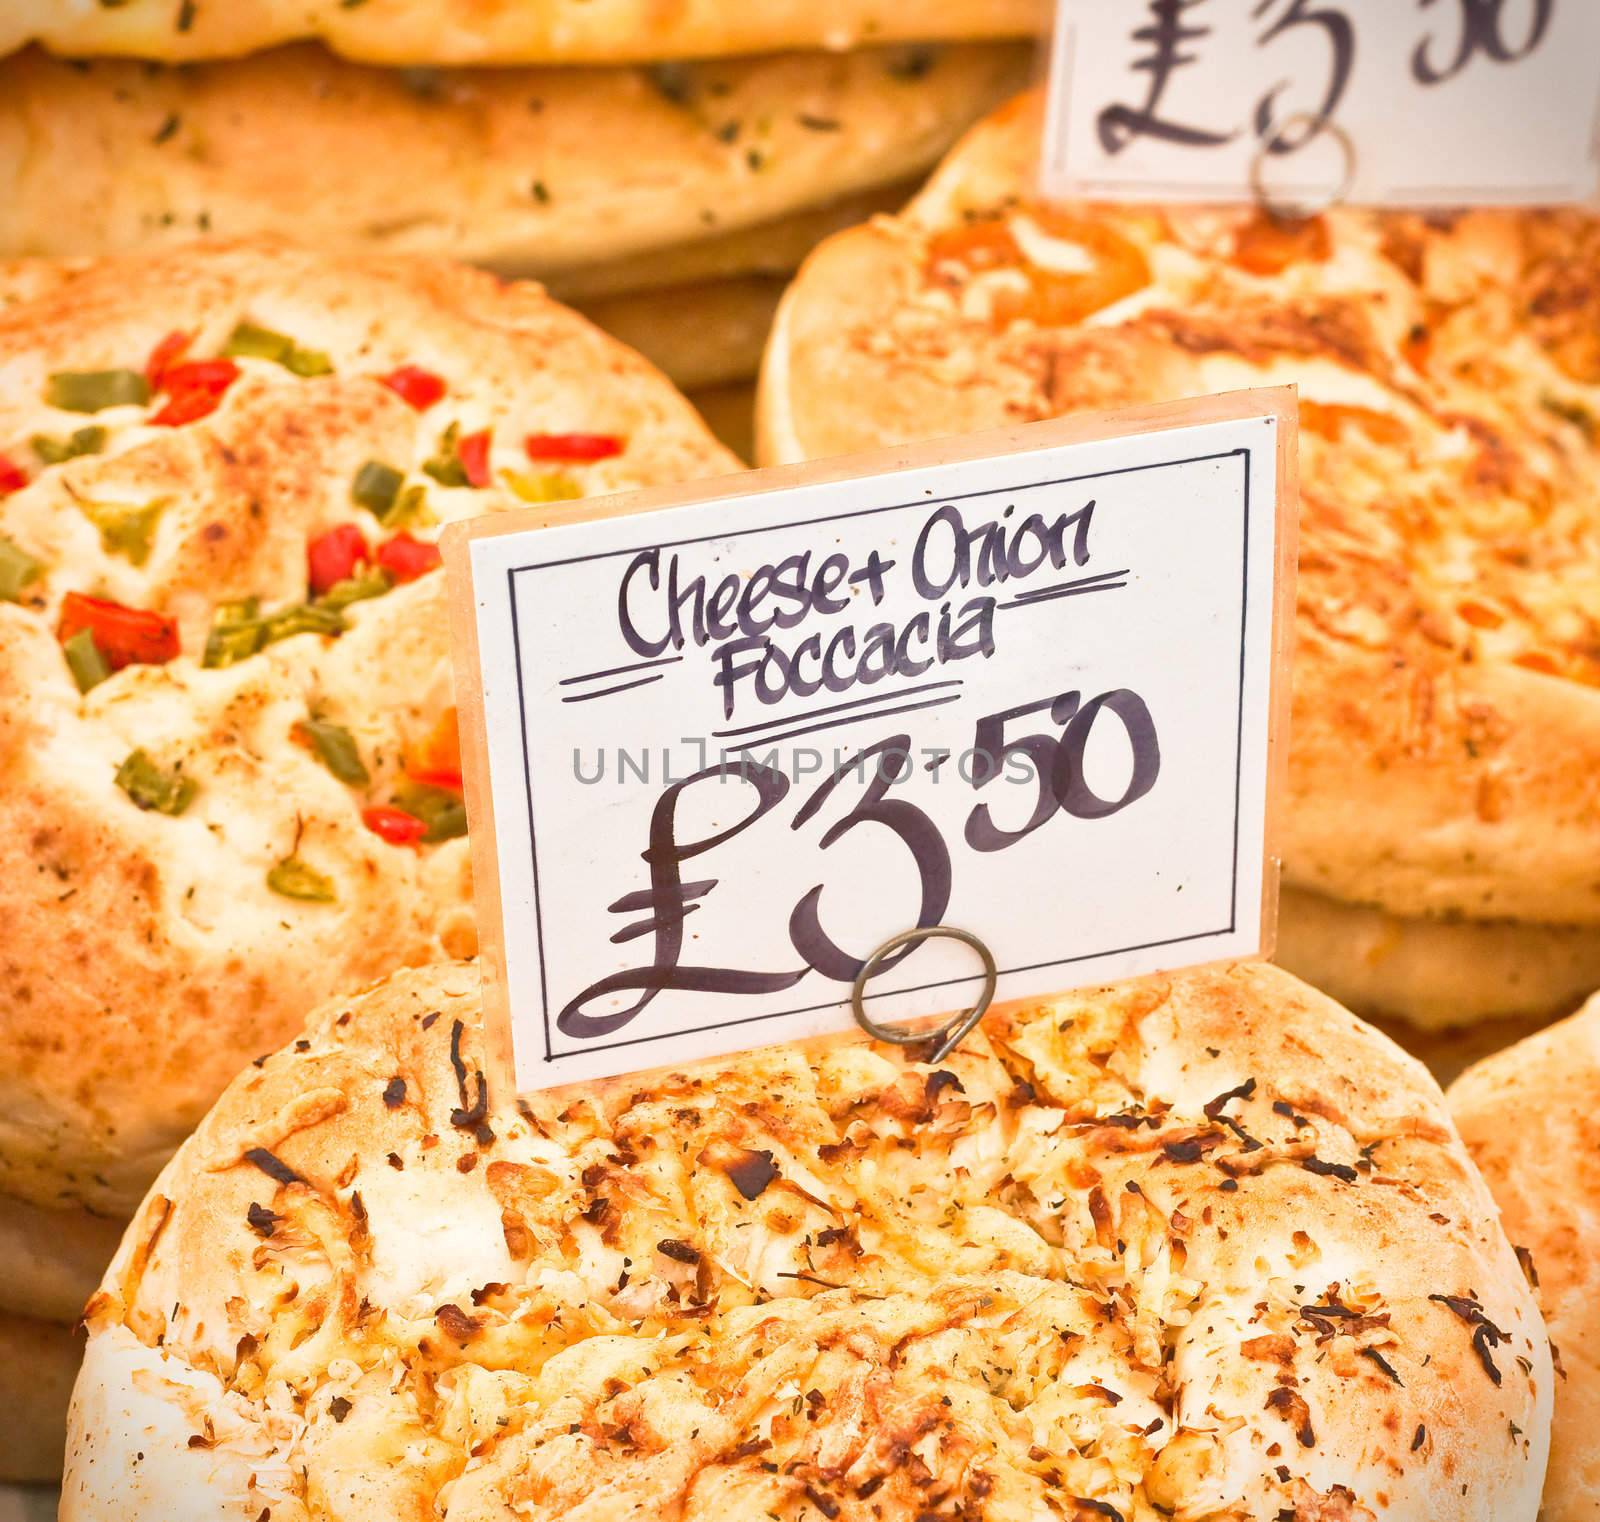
(226, 723)
(1136, 1252)
(1443, 810)
(508, 31)
(1528, 1117)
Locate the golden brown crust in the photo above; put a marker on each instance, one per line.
(504, 31)
(513, 167)
(1202, 1246)
(1446, 725)
(146, 957)
(1529, 1117)
(38, 1362)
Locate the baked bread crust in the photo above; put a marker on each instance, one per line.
(1446, 724)
(1170, 1248)
(1528, 1115)
(505, 31)
(146, 957)
(518, 168)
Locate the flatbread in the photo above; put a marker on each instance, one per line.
(537, 171)
(1446, 725)
(696, 335)
(149, 955)
(503, 31)
(1529, 1117)
(1199, 1246)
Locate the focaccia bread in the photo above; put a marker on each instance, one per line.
(1528, 1115)
(226, 724)
(1445, 744)
(1194, 1247)
(537, 171)
(500, 31)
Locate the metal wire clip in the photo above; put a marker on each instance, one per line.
(948, 1035)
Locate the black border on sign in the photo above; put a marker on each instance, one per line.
(1244, 452)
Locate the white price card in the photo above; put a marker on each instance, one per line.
(724, 740)
(1300, 102)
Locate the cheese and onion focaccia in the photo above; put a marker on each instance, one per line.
(500, 31)
(1527, 1115)
(226, 723)
(1443, 820)
(545, 172)
(1202, 1247)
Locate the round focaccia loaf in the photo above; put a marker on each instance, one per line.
(537, 171)
(1194, 1247)
(1528, 1115)
(502, 31)
(189, 857)
(1445, 758)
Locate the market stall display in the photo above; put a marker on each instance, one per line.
(232, 785)
(1443, 816)
(1135, 1252)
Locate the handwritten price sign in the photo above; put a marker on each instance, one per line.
(1397, 102)
(1022, 686)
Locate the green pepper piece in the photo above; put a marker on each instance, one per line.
(18, 570)
(90, 440)
(125, 530)
(444, 812)
(376, 486)
(95, 390)
(294, 879)
(308, 362)
(410, 510)
(301, 618)
(251, 341)
(236, 631)
(88, 666)
(166, 792)
(355, 589)
(543, 486)
(336, 749)
(444, 465)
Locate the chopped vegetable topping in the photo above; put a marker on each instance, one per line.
(294, 879)
(441, 811)
(410, 508)
(84, 660)
(473, 452)
(18, 569)
(95, 390)
(335, 748)
(333, 556)
(126, 529)
(235, 632)
(415, 386)
(194, 390)
(89, 440)
(151, 788)
(247, 341)
(341, 594)
(166, 353)
(124, 636)
(445, 466)
(12, 477)
(437, 761)
(394, 825)
(405, 558)
(543, 485)
(302, 618)
(571, 446)
(376, 487)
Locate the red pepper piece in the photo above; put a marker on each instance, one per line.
(12, 476)
(333, 557)
(415, 386)
(405, 558)
(572, 446)
(393, 825)
(473, 452)
(163, 357)
(193, 390)
(124, 636)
